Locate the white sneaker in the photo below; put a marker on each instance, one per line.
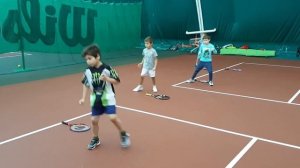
(211, 83)
(125, 140)
(154, 89)
(138, 88)
(191, 81)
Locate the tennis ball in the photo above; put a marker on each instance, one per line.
(18, 65)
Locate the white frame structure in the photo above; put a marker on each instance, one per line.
(200, 21)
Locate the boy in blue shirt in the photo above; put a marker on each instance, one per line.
(204, 59)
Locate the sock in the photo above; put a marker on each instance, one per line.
(123, 133)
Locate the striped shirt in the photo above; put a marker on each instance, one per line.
(91, 79)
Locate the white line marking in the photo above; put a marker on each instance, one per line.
(16, 55)
(2, 57)
(40, 130)
(294, 97)
(237, 95)
(282, 66)
(165, 117)
(213, 72)
(212, 128)
(242, 153)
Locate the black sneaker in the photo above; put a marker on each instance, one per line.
(125, 140)
(94, 143)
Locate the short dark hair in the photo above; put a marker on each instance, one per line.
(92, 50)
(149, 39)
(206, 37)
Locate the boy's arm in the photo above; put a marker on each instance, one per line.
(84, 91)
(141, 63)
(155, 63)
(197, 59)
(112, 77)
(199, 54)
(213, 49)
(109, 79)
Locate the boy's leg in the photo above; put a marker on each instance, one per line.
(208, 66)
(142, 80)
(139, 87)
(95, 125)
(197, 70)
(95, 129)
(116, 121)
(97, 110)
(153, 81)
(111, 111)
(125, 140)
(154, 88)
(152, 75)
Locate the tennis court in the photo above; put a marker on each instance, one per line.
(249, 118)
(230, 124)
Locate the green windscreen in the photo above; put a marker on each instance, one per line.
(41, 33)
(262, 24)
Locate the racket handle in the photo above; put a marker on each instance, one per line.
(148, 94)
(65, 123)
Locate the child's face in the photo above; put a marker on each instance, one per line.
(92, 61)
(206, 41)
(148, 44)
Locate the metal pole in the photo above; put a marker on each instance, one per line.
(21, 42)
(200, 17)
(200, 21)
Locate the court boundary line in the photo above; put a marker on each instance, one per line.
(160, 116)
(40, 130)
(222, 69)
(241, 153)
(273, 65)
(230, 165)
(211, 128)
(294, 97)
(237, 95)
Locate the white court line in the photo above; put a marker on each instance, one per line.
(40, 130)
(211, 128)
(230, 94)
(165, 117)
(282, 66)
(213, 72)
(237, 95)
(294, 97)
(242, 153)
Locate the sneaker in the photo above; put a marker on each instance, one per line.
(211, 83)
(138, 88)
(94, 143)
(125, 141)
(191, 81)
(154, 89)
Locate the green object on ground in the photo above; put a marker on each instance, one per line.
(247, 52)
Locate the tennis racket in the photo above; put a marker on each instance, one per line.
(159, 96)
(234, 69)
(77, 127)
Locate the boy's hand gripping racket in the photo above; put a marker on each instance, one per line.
(158, 96)
(77, 127)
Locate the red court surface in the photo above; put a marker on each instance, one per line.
(249, 118)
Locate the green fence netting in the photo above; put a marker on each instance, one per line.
(47, 33)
